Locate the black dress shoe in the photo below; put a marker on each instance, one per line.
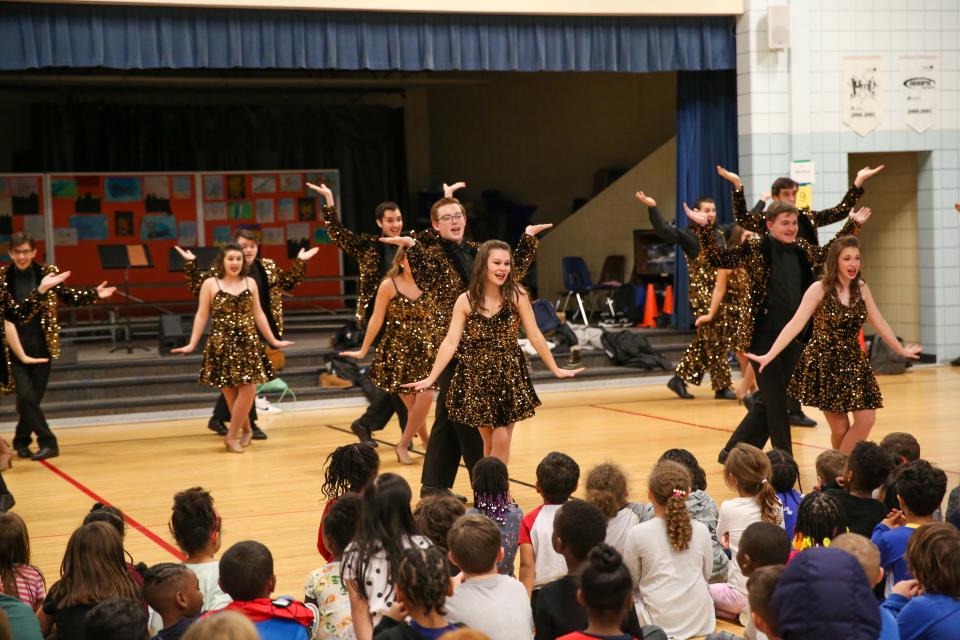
(679, 387)
(363, 433)
(6, 502)
(24, 452)
(45, 452)
(217, 427)
(725, 394)
(258, 433)
(801, 420)
(722, 458)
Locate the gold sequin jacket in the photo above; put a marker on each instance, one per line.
(367, 250)
(21, 313)
(74, 296)
(435, 273)
(278, 281)
(754, 257)
(808, 220)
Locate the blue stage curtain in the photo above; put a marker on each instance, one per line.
(706, 137)
(34, 36)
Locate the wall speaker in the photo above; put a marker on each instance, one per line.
(778, 26)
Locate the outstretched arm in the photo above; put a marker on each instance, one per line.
(448, 348)
(732, 258)
(526, 250)
(811, 300)
(207, 291)
(910, 351)
(666, 231)
(751, 220)
(719, 290)
(816, 255)
(23, 312)
(260, 318)
(348, 241)
(529, 322)
(385, 293)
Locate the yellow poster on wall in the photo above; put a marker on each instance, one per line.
(805, 196)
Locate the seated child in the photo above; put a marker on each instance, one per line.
(117, 619)
(762, 545)
(867, 467)
(173, 591)
(20, 579)
(903, 448)
(928, 607)
(486, 600)
(557, 478)
(324, 589)
(434, 516)
(785, 475)
(578, 527)
(491, 498)
(868, 556)
(761, 586)
(349, 469)
(246, 575)
(830, 465)
(422, 587)
(820, 519)
(606, 593)
(920, 487)
(607, 489)
(822, 594)
(196, 527)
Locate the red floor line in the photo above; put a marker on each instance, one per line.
(163, 544)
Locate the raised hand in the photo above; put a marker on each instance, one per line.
(103, 291)
(696, 215)
(702, 320)
(907, 588)
(534, 229)
(865, 174)
(645, 199)
(765, 196)
(356, 355)
(306, 254)
(187, 348)
(450, 189)
(894, 519)
(912, 351)
(566, 373)
(763, 360)
(51, 280)
(401, 241)
(420, 385)
(186, 254)
(861, 215)
(730, 176)
(324, 191)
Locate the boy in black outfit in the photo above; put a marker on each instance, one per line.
(867, 467)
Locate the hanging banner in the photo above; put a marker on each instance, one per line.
(860, 103)
(920, 87)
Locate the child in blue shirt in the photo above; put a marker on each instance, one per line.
(920, 489)
(786, 473)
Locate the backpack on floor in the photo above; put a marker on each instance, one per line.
(546, 315)
(883, 360)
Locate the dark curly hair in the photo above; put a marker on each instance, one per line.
(870, 466)
(921, 486)
(607, 488)
(557, 477)
(435, 515)
(194, 522)
(698, 477)
(423, 577)
(349, 469)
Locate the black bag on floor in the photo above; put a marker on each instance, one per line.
(630, 349)
(348, 337)
(628, 300)
(884, 361)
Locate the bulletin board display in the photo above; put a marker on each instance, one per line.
(23, 208)
(283, 212)
(155, 209)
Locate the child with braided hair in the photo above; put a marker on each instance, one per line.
(349, 469)
(670, 559)
(747, 471)
(491, 498)
(422, 589)
(820, 519)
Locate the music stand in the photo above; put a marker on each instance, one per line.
(126, 257)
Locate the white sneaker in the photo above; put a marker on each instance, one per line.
(264, 405)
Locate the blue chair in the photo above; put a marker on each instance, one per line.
(576, 282)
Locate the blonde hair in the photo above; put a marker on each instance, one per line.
(670, 486)
(607, 488)
(750, 470)
(226, 625)
(863, 550)
(396, 268)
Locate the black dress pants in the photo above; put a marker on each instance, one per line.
(31, 381)
(449, 441)
(221, 411)
(381, 409)
(768, 417)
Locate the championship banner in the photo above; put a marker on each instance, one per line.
(920, 87)
(860, 103)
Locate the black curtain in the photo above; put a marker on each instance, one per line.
(364, 142)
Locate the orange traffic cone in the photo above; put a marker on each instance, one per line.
(862, 340)
(668, 301)
(650, 308)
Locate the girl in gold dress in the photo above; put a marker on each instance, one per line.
(233, 359)
(834, 373)
(407, 348)
(491, 388)
(729, 312)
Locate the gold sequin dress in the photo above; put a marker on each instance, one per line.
(234, 355)
(834, 374)
(734, 320)
(407, 346)
(708, 350)
(491, 386)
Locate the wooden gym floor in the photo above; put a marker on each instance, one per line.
(272, 492)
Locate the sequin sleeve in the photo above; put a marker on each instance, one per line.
(816, 255)
(290, 279)
(195, 276)
(839, 212)
(24, 311)
(75, 296)
(426, 265)
(751, 220)
(523, 255)
(722, 258)
(348, 241)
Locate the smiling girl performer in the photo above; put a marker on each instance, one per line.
(833, 372)
(233, 359)
(491, 388)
